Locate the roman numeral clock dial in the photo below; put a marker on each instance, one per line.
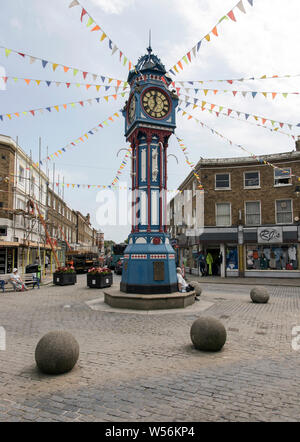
(156, 104)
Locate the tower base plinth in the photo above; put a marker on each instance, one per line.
(117, 299)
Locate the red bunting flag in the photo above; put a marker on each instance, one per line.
(83, 13)
(231, 15)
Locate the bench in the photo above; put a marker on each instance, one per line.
(27, 278)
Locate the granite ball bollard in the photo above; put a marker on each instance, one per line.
(208, 334)
(57, 352)
(197, 288)
(259, 295)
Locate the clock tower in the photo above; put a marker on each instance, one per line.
(149, 260)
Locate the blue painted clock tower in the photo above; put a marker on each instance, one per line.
(149, 260)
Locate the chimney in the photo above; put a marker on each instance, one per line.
(298, 144)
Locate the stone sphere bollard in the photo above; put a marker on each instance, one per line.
(259, 295)
(57, 352)
(198, 288)
(208, 334)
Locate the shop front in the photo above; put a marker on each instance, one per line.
(8, 258)
(272, 252)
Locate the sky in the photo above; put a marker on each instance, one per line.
(264, 41)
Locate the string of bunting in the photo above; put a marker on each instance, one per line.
(244, 94)
(32, 59)
(187, 58)
(263, 77)
(87, 86)
(78, 140)
(122, 166)
(57, 107)
(94, 27)
(260, 160)
(192, 165)
(276, 130)
(216, 108)
(95, 186)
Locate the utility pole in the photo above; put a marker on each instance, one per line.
(40, 184)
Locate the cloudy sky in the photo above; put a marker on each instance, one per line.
(264, 41)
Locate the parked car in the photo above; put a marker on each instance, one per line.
(119, 266)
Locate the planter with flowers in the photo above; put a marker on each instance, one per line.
(64, 276)
(99, 277)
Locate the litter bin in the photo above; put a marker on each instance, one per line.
(34, 268)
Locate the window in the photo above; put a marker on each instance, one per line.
(282, 177)
(223, 181)
(284, 211)
(21, 204)
(1, 204)
(3, 156)
(33, 186)
(3, 231)
(251, 179)
(252, 213)
(21, 174)
(223, 214)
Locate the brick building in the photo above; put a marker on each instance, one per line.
(23, 188)
(246, 218)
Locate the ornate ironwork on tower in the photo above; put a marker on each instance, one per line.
(149, 260)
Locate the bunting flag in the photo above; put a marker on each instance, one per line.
(95, 28)
(55, 66)
(252, 94)
(32, 81)
(255, 156)
(217, 109)
(58, 107)
(126, 158)
(263, 77)
(81, 139)
(191, 164)
(187, 58)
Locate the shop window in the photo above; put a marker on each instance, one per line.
(282, 177)
(232, 258)
(223, 214)
(252, 213)
(265, 257)
(223, 181)
(284, 211)
(3, 231)
(252, 179)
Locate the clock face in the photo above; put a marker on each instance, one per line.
(131, 110)
(156, 103)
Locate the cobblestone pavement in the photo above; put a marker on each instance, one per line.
(135, 367)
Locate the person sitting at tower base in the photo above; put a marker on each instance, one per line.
(183, 286)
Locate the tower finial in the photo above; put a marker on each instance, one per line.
(149, 49)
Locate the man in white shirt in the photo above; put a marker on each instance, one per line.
(183, 286)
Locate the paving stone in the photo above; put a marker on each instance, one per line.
(135, 367)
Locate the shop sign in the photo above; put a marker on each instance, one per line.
(269, 235)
